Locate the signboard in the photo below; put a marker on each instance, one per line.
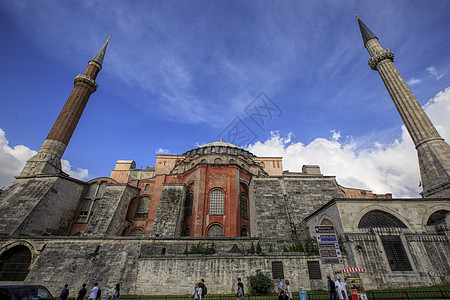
(332, 261)
(326, 238)
(328, 244)
(325, 253)
(324, 229)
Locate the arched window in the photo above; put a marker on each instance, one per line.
(217, 161)
(215, 230)
(137, 232)
(438, 217)
(244, 232)
(379, 218)
(142, 209)
(326, 222)
(186, 231)
(232, 161)
(244, 206)
(216, 202)
(147, 187)
(203, 161)
(14, 264)
(188, 205)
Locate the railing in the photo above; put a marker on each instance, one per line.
(316, 295)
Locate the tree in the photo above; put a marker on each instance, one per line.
(260, 284)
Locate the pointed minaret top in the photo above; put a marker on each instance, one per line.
(365, 31)
(98, 58)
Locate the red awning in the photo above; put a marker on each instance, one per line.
(352, 270)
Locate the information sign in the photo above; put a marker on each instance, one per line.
(332, 261)
(324, 253)
(328, 244)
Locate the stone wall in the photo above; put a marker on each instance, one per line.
(44, 204)
(168, 216)
(109, 214)
(140, 267)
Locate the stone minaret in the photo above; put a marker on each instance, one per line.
(48, 160)
(433, 152)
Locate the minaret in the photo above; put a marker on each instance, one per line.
(433, 152)
(48, 160)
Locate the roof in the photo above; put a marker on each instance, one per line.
(366, 33)
(217, 144)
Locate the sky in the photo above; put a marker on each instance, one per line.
(279, 78)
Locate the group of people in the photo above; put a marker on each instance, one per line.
(284, 290)
(337, 289)
(200, 290)
(96, 292)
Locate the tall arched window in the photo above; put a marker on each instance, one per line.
(147, 187)
(216, 202)
(379, 218)
(244, 232)
(186, 231)
(244, 206)
(14, 264)
(142, 209)
(215, 230)
(188, 205)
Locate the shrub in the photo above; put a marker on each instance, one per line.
(260, 284)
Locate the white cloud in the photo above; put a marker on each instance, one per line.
(432, 70)
(163, 151)
(12, 161)
(413, 81)
(389, 168)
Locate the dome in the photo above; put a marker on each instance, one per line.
(218, 144)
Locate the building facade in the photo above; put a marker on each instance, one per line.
(219, 212)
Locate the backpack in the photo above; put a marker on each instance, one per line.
(204, 290)
(99, 293)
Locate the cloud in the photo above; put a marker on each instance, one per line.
(12, 161)
(413, 81)
(432, 70)
(383, 168)
(163, 151)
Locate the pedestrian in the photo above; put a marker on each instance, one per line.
(94, 292)
(331, 288)
(240, 290)
(340, 289)
(280, 289)
(203, 287)
(288, 290)
(116, 293)
(64, 293)
(82, 292)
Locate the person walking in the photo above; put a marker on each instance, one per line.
(331, 288)
(94, 292)
(203, 287)
(280, 289)
(197, 291)
(116, 293)
(82, 292)
(341, 289)
(240, 290)
(288, 290)
(64, 293)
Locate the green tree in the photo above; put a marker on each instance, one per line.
(258, 248)
(260, 284)
(252, 249)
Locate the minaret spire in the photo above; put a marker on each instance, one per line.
(366, 33)
(433, 152)
(48, 160)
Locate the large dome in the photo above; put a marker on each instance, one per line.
(219, 148)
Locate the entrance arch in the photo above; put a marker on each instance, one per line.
(14, 263)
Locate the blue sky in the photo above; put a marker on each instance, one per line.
(177, 73)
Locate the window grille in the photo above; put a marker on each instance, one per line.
(244, 206)
(379, 218)
(216, 202)
(14, 264)
(277, 270)
(188, 205)
(395, 252)
(314, 270)
(215, 230)
(438, 217)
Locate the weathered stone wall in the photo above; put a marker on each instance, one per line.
(141, 268)
(109, 214)
(273, 212)
(167, 221)
(32, 206)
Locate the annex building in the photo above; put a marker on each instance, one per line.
(218, 212)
